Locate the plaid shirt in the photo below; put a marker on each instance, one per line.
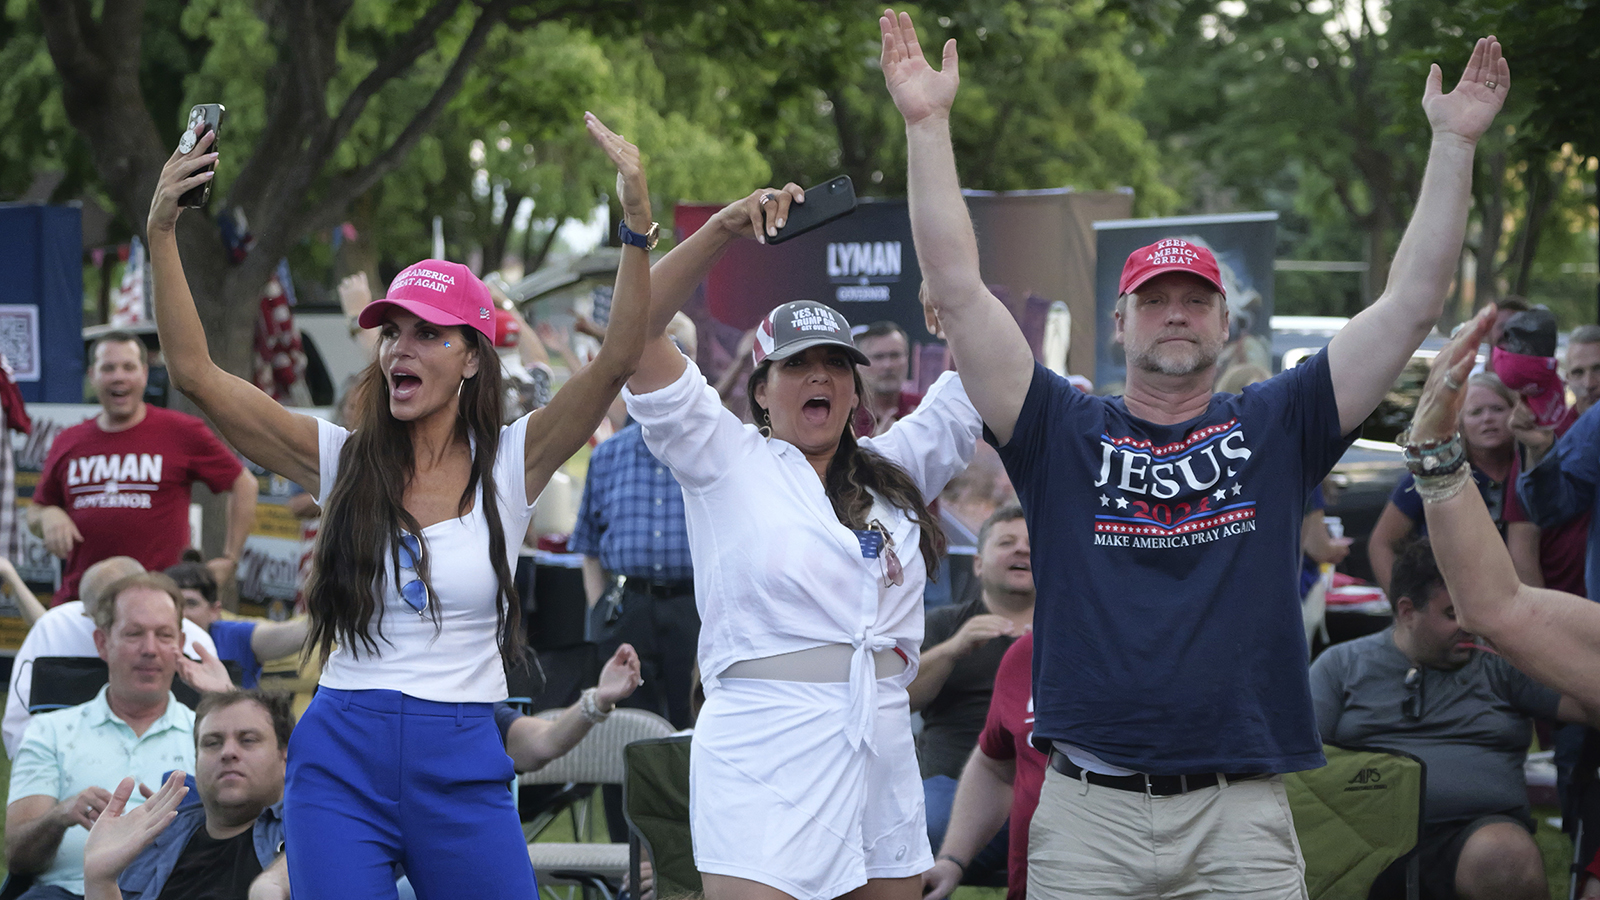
(632, 512)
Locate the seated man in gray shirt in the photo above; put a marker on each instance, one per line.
(1425, 687)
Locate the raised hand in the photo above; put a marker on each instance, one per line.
(354, 293)
(619, 678)
(1439, 408)
(209, 674)
(760, 214)
(178, 176)
(1468, 110)
(632, 192)
(917, 89)
(117, 838)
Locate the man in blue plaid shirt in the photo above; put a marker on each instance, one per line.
(631, 525)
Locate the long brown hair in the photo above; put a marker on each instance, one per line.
(854, 472)
(366, 513)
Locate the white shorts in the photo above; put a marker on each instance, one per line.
(777, 796)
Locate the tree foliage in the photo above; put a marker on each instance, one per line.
(1313, 109)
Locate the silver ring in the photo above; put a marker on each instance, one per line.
(1491, 85)
(1451, 383)
(765, 198)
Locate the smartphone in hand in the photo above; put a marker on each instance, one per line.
(207, 117)
(824, 203)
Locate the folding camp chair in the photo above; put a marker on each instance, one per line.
(655, 801)
(598, 759)
(1355, 816)
(63, 681)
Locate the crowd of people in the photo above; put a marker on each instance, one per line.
(834, 588)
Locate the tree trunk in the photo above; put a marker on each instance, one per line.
(1541, 193)
(1491, 227)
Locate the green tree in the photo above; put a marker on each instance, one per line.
(326, 98)
(1313, 109)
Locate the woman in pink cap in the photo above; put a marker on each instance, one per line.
(397, 762)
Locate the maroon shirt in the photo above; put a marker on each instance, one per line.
(865, 420)
(1008, 734)
(128, 491)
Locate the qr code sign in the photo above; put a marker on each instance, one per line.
(19, 340)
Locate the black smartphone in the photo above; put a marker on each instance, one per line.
(824, 203)
(208, 117)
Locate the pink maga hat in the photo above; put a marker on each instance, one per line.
(1169, 255)
(443, 293)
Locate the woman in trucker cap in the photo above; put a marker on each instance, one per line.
(811, 549)
(398, 761)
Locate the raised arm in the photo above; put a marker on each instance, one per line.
(560, 428)
(272, 640)
(997, 363)
(676, 275)
(1367, 355)
(532, 742)
(1562, 485)
(271, 436)
(1552, 636)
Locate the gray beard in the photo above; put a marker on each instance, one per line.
(1204, 358)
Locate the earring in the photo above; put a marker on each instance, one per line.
(764, 430)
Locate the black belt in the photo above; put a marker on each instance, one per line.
(659, 589)
(1154, 785)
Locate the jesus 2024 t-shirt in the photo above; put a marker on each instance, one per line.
(1168, 632)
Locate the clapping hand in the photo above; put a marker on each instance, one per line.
(619, 678)
(1439, 408)
(1468, 110)
(117, 838)
(918, 91)
(209, 674)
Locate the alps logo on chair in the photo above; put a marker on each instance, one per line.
(1366, 780)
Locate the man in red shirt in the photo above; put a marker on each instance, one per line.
(118, 484)
(1001, 778)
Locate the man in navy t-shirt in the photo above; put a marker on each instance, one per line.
(1169, 659)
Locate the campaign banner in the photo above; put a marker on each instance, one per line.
(1244, 244)
(1035, 249)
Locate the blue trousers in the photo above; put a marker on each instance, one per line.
(379, 780)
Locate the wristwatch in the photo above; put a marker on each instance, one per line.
(646, 241)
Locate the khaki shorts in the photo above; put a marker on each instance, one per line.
(1091, 841)
(777, 795)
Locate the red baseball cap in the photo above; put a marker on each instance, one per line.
(1169, 255)
(507, 328)
(443, 293)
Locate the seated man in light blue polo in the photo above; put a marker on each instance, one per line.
(71, 759)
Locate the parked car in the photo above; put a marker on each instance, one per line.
(1361, 482)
